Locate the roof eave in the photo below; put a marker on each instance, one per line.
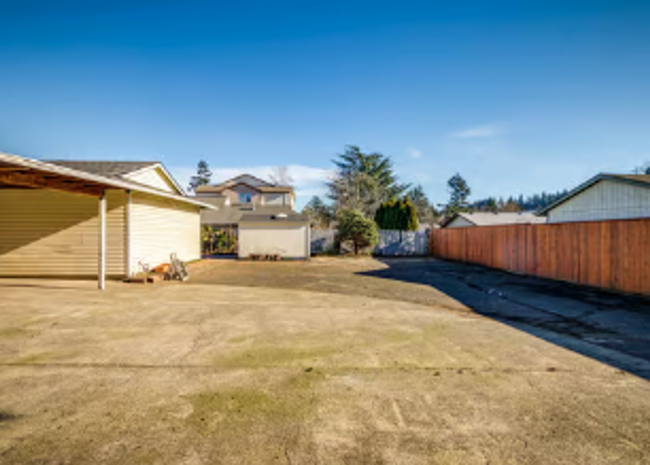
(102, 180)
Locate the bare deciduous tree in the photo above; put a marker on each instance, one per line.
(281, 176)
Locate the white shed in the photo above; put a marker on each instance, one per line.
(284, 234)
(603, 197)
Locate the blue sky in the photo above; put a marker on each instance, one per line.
(517, 96)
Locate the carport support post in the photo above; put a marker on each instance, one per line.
(101, 269)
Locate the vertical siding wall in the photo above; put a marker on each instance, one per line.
(402, 243)
(160, 227)
(607, 254)
(52, 233)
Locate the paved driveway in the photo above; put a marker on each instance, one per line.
(211, 372)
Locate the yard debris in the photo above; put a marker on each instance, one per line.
(177, 269)
(263, 257)
(148, 278)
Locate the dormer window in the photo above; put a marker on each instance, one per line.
(245, 198)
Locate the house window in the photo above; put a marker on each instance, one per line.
(245, 198)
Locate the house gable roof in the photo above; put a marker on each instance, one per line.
(237, 179)
(641, 180)
(495, 219)
(104, 168)
(219, 188)
(121, 170)
(51, 173)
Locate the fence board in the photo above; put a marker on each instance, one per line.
(609, 254)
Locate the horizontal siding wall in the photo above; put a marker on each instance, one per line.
(606, 200)
(160, 227)
(52, 233)
(608, 254)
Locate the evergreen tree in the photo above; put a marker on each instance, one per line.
(400, 215)
(526, 203)
(362, 181)
(427, 213)
(459, 192)
(511, 206)
(642, 169)
(411, 222)
(487, 205)
(202, 177)
(355, 227)
(320, 214)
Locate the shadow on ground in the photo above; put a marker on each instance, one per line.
(609, 327)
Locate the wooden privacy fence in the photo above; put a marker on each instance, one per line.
(607, 254)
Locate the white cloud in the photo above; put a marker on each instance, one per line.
(308, 180)
(415, 153)
(485, 131)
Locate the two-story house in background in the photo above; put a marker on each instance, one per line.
(244, 194)
(260, 214)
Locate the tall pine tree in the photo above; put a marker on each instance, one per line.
(459, 193)
(202, 177)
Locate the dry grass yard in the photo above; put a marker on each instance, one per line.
(333, 361)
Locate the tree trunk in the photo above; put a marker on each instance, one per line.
(356, 248)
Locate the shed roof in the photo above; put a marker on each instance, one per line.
(234, 214)
(290, 217)
(641, 180)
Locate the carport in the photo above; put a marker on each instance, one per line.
(23, 173)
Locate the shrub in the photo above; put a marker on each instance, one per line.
(399, 215)
(358, 229)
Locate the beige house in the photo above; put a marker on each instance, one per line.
(245, 193)
(469, 220)
(603, 197)
(260, 214)
(90, 218)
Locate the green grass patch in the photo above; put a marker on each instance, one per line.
(12, 332)
(44, 357)
(222, 412)
(263, 356)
